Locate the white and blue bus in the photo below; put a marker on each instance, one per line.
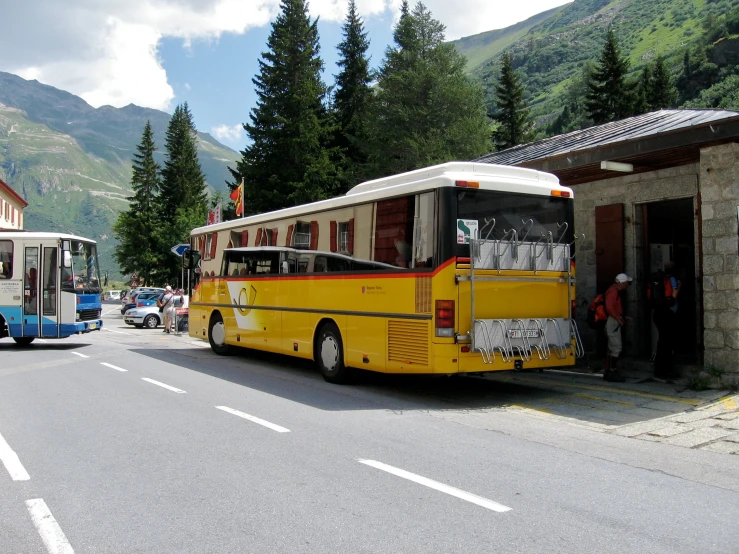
(49, 286)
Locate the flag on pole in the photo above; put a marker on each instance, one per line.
(214, 215)
(238, 197)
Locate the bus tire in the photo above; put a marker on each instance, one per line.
(23, 341)
(151, 321)
(218, 342)
(330, 355)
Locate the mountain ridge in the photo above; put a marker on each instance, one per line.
(72, 162)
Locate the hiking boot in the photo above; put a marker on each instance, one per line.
(613, 376)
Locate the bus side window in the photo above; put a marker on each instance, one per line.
(6, 258)
(319, 264)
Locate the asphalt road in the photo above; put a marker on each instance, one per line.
(133, 441)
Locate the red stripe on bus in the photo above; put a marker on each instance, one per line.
(318, 276)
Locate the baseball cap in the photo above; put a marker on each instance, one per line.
(623, 278)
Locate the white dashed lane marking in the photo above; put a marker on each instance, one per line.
(159, 384)
(52, 535)
(111, 366)
(11, 462)
(80, 355)
(441, 487)
(253, 419)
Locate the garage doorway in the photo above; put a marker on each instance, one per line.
(669, 235)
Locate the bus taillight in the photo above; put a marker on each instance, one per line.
(444, 318)
(573, 309)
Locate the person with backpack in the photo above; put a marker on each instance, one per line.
(663, 292)
(616, 320)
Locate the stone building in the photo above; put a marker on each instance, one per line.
(662, 186)
(11, 208)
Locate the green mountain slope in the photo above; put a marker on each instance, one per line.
(551, 54)
(72, 162)
(482, 47)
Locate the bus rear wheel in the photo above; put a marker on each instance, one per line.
(23, 341)
(330, 355)
(217, 335)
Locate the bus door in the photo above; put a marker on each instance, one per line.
(31, 292)
(49, 295)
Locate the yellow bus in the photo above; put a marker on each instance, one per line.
(455, 268)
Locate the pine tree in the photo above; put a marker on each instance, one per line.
(610, 96)
(288, 161)
(183, 198)
(136, 228)
(514, 118)
(425, 110)
(641, 100)
(352, 93)
(661, 93)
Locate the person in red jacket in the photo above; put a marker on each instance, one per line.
(616, 320)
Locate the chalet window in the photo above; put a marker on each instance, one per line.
(301, 236)
(344, 237)
(208, 246)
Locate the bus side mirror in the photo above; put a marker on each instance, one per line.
(191, 258)
(67, 259)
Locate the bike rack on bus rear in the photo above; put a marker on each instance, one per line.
(523, 338)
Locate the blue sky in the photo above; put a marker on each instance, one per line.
(215, 77)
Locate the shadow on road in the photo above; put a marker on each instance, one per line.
(579, 398)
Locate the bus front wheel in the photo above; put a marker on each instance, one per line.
(330, 355)
(217, 335)
(23, 341)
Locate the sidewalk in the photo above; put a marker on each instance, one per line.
(642, 407)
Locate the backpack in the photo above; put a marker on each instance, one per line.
(597, 315)
(659, 291)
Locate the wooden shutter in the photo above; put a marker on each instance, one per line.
(244, 238)
(332, 237)
(609, 244)
(213, 246)
(289, 237)
(314, 235)
(351, 236)
(274, 236)
(258, 240)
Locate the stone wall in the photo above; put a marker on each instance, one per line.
(719, 188)
(632, 190)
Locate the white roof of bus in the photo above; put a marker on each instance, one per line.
(491, 177)
(42, 235)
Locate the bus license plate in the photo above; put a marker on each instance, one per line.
(518, 333)
(93, 325)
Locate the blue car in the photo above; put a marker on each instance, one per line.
(140, 300)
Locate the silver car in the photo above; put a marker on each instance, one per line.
(145, 316)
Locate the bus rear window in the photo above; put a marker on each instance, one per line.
(497, 213)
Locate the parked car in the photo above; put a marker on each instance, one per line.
(113, 295)
(146, 316)
(140, 300)
(129, 296)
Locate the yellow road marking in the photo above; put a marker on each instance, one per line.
(691, 401)
(729, 403)
(600, 399)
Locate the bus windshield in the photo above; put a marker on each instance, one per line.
(84, 275)
(532, 216)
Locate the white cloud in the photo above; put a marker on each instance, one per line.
(226, 133)
(106, 51)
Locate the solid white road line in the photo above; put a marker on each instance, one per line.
(48, 528)
(254, 419)
(200, 343)
(113, 366)
(153, 382)
(119, 332)
(469, 497)
(80, 355)
(11, 462)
